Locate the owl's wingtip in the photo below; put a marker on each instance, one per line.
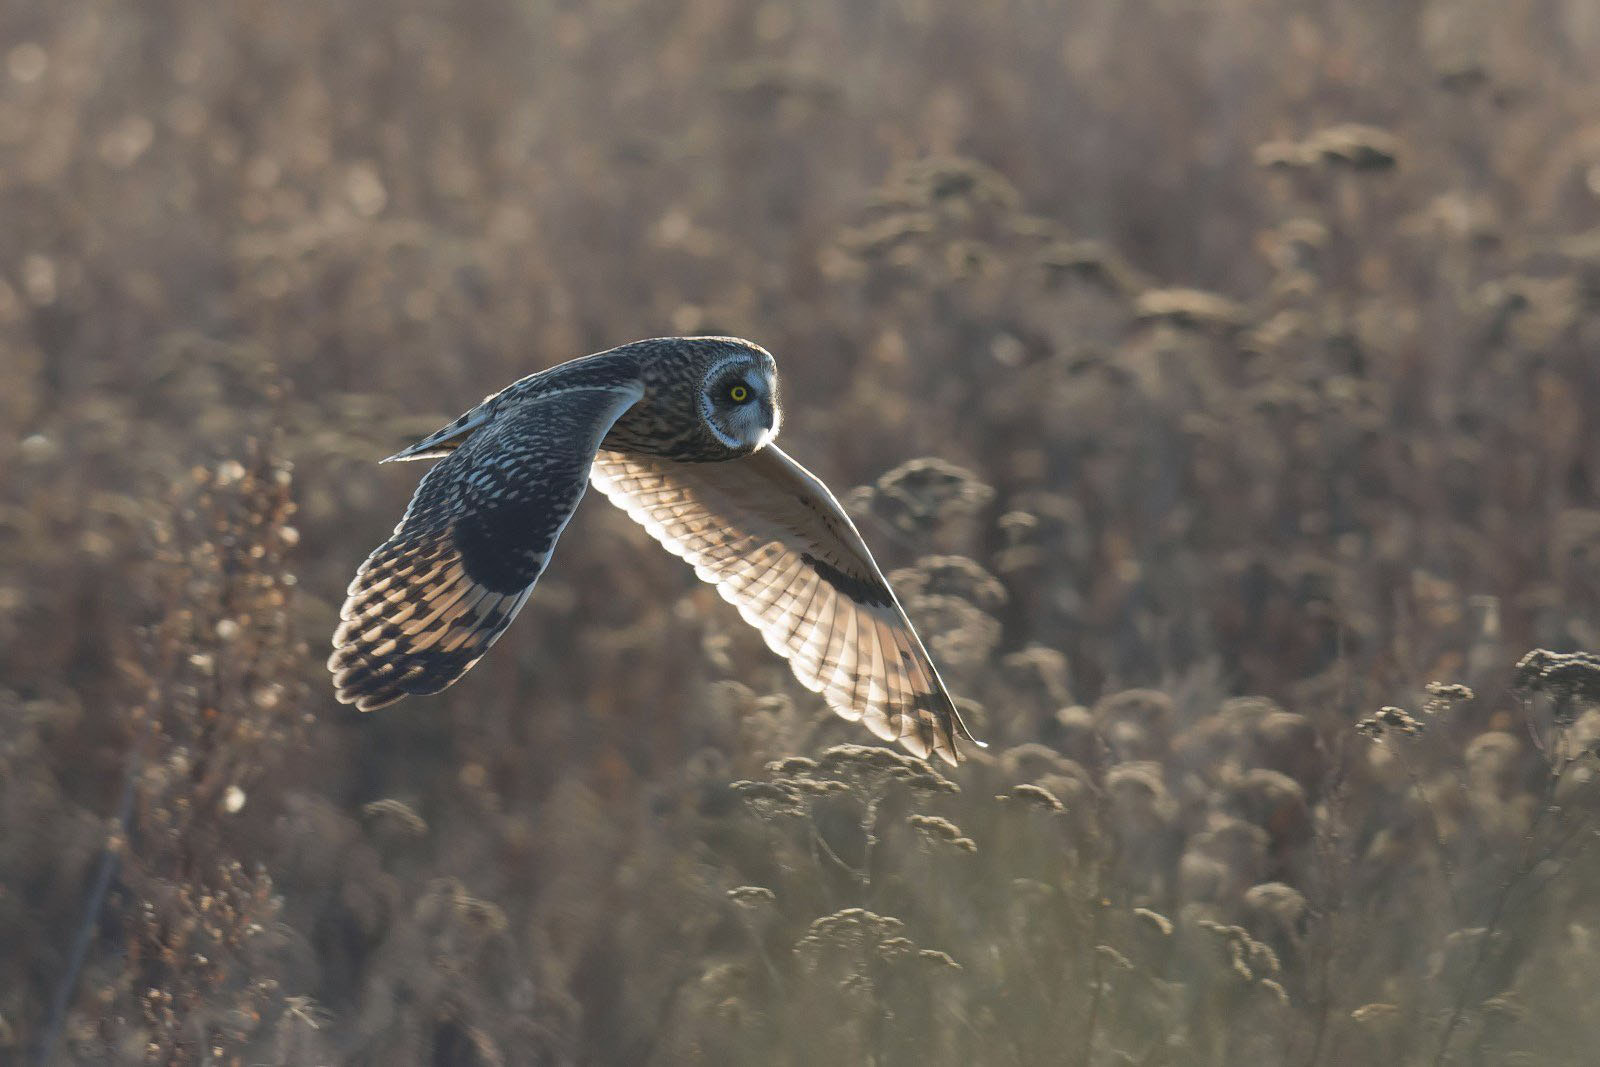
(949, 745)
(363, 700)
(416, 452)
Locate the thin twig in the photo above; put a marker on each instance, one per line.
(1558, 767)
(1108, 854)
(1441, 849)
(84, 938)
(827, 850)
(1327, 845)
(1097, 981)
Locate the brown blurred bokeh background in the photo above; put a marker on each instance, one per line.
(1212, 374)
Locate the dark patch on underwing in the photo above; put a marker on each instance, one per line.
(862, 591)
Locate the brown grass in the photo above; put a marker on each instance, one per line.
(1214, 377)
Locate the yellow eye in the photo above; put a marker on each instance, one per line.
(738, 394)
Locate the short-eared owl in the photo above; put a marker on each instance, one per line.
(678, 433)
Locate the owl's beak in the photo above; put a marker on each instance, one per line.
(769, 422)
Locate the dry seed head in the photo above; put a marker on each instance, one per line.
(818, 787)
(792, 765)
(752, 896)
(1569, 676)
(866, 764)
(1506, 1006)
(484, 913)
(1389, 718)
(1155, 919)
(850, 926)
(921, 493)
(1442, 697)
(1372, 1014)
(770, 798)
(893, 948)
(869, 757)
(1361, 148)
(931, 781)
(1248, 958)
(1113, 957)
(396, 813)
(1192, 309)
(1284, 155)
(1261, 957)
(1034, 796)
(1399, 719)
(933, 826)
(950, 576)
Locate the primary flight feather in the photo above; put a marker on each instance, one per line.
(678, 433)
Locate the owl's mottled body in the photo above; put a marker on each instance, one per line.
(677, 432)
(668, 369)
(671, 370)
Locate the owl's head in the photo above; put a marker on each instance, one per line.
(739, 395)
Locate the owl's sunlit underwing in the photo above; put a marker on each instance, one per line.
(678, 433)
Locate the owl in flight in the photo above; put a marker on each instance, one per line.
(678, 433)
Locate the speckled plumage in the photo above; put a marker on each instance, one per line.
(677, 432)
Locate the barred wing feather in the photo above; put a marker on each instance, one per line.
(777, 545)
(428, 603)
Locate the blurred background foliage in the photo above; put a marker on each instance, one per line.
(1215, 376)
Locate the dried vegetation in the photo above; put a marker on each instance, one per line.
(1257, 345)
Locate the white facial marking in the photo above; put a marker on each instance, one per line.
(716, 431)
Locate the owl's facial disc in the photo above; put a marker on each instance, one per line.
(740, 404)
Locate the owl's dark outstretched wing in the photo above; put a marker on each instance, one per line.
(431, 600)
(778, 546)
